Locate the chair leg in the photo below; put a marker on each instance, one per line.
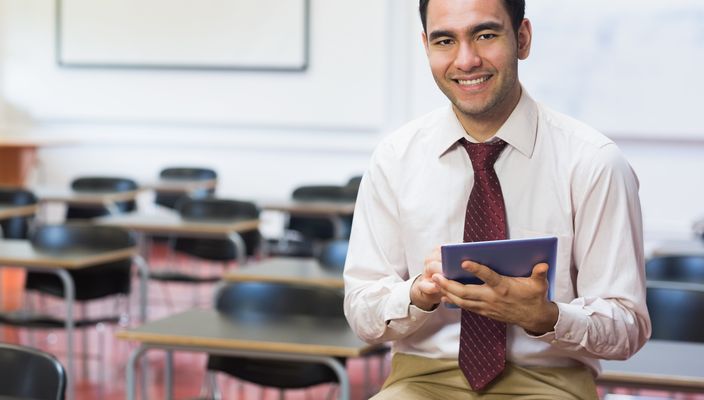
(84, 344)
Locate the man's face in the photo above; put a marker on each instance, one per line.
(473, 53)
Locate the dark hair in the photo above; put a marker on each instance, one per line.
(516, 11)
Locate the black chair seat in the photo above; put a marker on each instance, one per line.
(100, 184)
(278, 374)
(171, 199)
(16, 227)
(175, 276)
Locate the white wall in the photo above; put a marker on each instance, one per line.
(266, 133)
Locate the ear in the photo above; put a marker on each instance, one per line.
(424, 37)
(525, 36)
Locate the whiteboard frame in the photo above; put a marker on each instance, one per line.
(61, 62)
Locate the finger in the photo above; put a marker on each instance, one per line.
(447, 286)
(486, 274)
(466, 304)
(428, 287)
(540, 272)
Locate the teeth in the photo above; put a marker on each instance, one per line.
(473, 81)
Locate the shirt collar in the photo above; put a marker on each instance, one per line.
(519, 131)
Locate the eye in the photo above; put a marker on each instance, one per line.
(444, 42)
(486, 36)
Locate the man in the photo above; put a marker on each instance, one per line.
(495, 165)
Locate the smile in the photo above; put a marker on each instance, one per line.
(472, 82)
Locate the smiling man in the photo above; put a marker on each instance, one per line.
(495, 164)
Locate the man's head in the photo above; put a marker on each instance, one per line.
(516, 9)
(473, 49)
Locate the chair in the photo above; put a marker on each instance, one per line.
(170, 199)
(213, 249)
(90, 283)
(261, 300)
(30, 374)
(675, 313)
(101, 185)
(352, 186)
(303, 232)
(16, 227)
(114, 278)
(676, 268)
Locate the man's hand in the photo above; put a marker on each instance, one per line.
(520, 301)
(425, 294)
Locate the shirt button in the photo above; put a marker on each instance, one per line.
(568, 335)
(413, 319)
(553, 341)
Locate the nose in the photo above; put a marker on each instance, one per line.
(467, 57)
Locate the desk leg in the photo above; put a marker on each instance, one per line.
(240, 248)
(169, 375)
(131, 383)
(69, 298)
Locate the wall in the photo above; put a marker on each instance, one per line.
(269, 132)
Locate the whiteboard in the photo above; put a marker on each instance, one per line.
(183, 34)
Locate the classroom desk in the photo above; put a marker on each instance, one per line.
(21, 253)
(291, 270)
(68, 196)
(179, 185)
(660, 364)
(11, 211)
(169, 222)
(333, 210)
(299, 338)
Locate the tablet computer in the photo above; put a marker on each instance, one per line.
(515, 257)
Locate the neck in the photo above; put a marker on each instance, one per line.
(484, 126)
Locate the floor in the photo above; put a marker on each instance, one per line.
(102, 376)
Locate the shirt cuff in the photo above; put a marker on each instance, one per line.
(401, 315)
(570, 326)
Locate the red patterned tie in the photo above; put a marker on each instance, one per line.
(482, 353)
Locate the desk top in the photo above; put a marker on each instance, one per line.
(313, 208)
(81, 197)
(678, 365)
(179, 185)
(209, 329)
(21, 253)
(306, 271)
(170, 222)
(9, 211)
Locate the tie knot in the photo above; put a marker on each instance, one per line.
(483, 155)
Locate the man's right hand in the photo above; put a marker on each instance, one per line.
(424, 292)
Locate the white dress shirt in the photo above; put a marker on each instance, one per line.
(559, 178)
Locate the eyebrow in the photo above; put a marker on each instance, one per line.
(484, 26)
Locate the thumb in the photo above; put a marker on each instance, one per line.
(540, 271)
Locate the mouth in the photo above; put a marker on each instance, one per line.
(472, 82)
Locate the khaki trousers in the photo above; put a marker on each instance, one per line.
(414, 377)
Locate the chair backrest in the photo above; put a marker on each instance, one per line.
(317, 228)
(271, 300)
(30, 374)
(92, 282)
(676, 269)
(16, 227)
(332, 254)
(170, 199)
(100, 184)
(676, 313)
(77, 236)
(352, 186)
(221, 210)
